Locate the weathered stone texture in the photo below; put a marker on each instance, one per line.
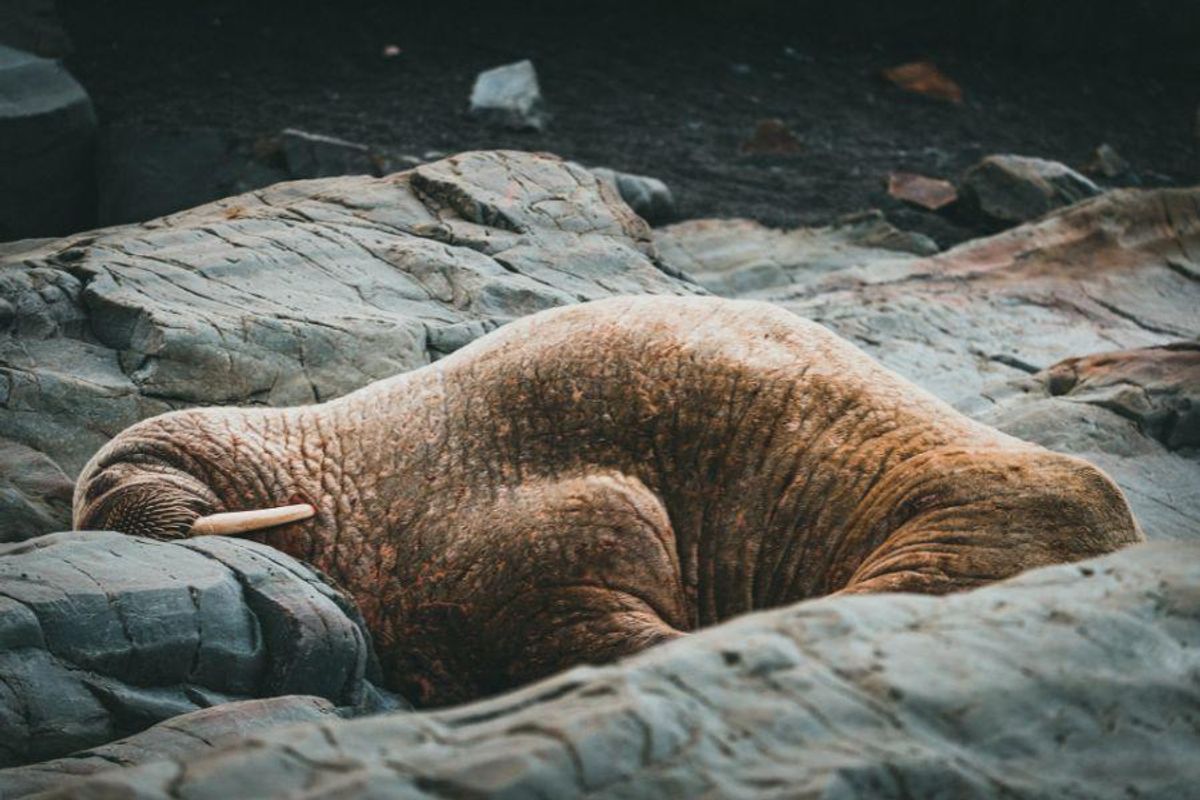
(1021, 689)
(103, 635)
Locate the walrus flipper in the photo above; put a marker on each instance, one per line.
(963, 518)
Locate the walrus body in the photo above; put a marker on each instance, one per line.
(594, 479)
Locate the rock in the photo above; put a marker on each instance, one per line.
(1007, 189)
(1136, 413)
(299, 292)
(145, 172)
(771, 137)
(509, 96)
(35, 495)
(47, 137)
(184, 736)
(923, 77)
(649, 197)
(741, 258)
(103, 635)
(930, 194)
(311, 155)
(1156, 387)
(1106, 161)
(1071, 681)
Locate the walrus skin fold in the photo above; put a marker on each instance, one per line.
(591, 480)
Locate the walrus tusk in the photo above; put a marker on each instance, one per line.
(232, 522)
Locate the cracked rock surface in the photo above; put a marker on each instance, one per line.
(103, 635)
(297, 293)
(1118, 272)
(1078, 330)
(1018, 689)
(743, 258)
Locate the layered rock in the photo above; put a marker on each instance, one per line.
(299, 292)
(742, 258)
(103, 635)
(1071, 681)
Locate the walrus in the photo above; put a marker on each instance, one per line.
(591, 480)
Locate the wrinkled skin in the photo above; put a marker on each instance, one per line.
(592, 480)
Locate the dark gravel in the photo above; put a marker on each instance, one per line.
(668, 90)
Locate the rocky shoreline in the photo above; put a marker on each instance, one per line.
(1076, 330)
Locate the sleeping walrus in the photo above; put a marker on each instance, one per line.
(591, 480)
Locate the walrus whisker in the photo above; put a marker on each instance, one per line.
(234, 522)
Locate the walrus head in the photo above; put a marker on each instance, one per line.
(161, 478)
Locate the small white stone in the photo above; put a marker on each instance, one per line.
(510, 96)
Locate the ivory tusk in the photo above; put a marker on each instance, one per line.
(233, 522)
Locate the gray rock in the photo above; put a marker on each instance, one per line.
(311, 155)
(47, 132)
(509, 96)
(648, 197)
(1009, 189)
(741, 258)
(1136, 413)
(298, 292)
(103, 635)
(35, 495)
(185, 736)
(1072, 681)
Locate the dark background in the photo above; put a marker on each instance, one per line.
(671, 89)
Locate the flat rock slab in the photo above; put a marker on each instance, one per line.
(1020, 689)
(103, 635)
(299, 292)
(742, 258)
